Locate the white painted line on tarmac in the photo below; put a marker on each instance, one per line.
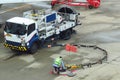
(15, 8)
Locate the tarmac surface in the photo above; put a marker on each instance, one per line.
(99, 27)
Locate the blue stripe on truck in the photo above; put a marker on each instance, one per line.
(33, 39)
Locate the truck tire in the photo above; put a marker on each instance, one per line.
(33, 48)
(66, 35)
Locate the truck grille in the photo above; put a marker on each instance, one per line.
(13, 43)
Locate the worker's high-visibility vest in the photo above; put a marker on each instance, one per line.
(58, 61)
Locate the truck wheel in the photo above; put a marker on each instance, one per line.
(33, 48)
(66, 35)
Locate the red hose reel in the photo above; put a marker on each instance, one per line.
(87, 3)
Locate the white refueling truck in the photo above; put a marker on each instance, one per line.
(38, 27)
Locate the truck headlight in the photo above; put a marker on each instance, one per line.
(27, 44)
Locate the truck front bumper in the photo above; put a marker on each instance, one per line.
(19, 48)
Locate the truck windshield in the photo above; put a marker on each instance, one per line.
(14, 28)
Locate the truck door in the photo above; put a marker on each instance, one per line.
(31, 29)
(32, 34)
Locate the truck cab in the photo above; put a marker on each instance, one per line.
(17, 33)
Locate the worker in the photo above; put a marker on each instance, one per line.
(58, 65)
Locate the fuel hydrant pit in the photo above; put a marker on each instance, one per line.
(86, 55)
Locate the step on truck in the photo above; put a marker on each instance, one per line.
(37, 27)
